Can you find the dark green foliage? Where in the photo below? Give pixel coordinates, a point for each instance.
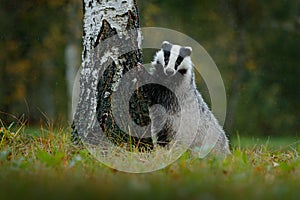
(33, 36)
(267, 93)
(32, 59)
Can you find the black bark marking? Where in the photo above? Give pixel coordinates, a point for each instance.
(123, 15)
(106, 31)
(83, 9)
(133, 19)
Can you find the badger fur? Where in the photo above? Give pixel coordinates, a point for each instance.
(177, 106)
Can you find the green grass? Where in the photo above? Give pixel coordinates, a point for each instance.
(42, 163)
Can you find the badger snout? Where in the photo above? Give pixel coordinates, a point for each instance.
(169, 71)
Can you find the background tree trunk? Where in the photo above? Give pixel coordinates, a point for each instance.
(48, 105)
(107, 20)
(238, 8)
(72, 51)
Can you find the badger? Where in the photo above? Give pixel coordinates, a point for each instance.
(178, 111)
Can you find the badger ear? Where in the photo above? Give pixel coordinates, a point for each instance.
(186, 51)
(166, 46)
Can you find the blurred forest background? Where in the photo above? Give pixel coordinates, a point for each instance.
(255, 44)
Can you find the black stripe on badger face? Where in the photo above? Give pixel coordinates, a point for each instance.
(178, 61)
(167, 52)
(183, 52)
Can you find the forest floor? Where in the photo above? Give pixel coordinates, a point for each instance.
(43, 164)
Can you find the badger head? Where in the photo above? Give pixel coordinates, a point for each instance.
(173, 60)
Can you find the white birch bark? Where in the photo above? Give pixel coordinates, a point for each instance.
(109, 49)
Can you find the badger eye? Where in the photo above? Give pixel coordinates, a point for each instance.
(182, 71)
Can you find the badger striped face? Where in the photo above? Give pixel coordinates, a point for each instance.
(174, 59)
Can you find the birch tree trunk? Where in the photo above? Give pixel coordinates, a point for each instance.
(111, 48)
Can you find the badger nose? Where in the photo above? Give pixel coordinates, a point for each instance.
(169, 71)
